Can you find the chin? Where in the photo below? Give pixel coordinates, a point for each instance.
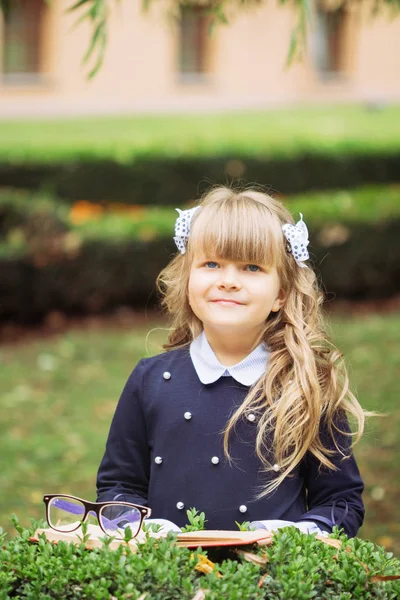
(231, 323)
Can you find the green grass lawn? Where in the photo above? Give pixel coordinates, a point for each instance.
(58, 395)
(275, 132)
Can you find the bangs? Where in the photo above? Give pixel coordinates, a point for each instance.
(239, 229)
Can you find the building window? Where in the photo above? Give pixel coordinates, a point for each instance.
(329, 39)
(193, 40)
(22, 38)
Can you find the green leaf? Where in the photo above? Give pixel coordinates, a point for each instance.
(245, 526)
(86, 15)
(151, 527)
(196, 520)
(95, 38)
(305, 19)
(78, 4)
(99, 7)
(128, 535)
(292, 48)
(100, 58)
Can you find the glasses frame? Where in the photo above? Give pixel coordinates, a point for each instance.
(95, 507)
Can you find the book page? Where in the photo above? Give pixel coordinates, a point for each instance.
(221, 534)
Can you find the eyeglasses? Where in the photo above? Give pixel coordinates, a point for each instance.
(67, 513)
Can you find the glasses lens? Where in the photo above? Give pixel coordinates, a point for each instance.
(115, 518)
(65, 514)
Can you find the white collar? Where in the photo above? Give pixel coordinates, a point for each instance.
(209, 369)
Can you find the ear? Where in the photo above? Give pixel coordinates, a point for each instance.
(279, 301)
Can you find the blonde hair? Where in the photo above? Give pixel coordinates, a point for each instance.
(305, 385)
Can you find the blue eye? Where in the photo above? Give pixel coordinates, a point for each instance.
(211, 264)
(253, 268)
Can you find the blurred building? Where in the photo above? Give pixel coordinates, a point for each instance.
(157, 63)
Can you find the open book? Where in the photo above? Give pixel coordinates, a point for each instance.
(191, 539)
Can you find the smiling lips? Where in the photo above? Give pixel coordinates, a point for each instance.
(226, 301)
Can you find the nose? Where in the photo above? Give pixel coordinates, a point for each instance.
(229, 278)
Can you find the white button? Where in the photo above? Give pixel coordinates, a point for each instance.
(180, 505)
(243, 508)
(276, 467)
(251, 417)
(158, 460)
(215, 460)
(167, 375)
(188, 416)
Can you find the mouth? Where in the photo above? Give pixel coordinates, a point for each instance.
(226, 302)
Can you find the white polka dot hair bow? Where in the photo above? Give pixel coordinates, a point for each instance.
(182, 227)
(297, 237)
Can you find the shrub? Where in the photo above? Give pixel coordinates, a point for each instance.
(170, 181)
(94, 258)
(295, 567)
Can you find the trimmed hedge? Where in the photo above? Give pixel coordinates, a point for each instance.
(295, 567)
(100, 275)
(167, 181)
(47, 263)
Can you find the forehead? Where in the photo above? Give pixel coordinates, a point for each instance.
(250, 235)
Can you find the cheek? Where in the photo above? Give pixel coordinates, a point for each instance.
(193, 290)
(196, 282)
(264, 294)
(197, 292)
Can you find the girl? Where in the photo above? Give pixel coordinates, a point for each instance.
(245, 416)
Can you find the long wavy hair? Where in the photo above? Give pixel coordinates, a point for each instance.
(305, 384)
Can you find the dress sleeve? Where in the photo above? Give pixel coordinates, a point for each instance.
(334, 497)
(123, 474)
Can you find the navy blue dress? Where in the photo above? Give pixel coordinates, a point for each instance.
(164, 450)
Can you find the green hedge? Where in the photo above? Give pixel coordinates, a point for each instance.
(47, 263)
(165, 181)
(168, 159)
(295, 567)
(367, 204)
